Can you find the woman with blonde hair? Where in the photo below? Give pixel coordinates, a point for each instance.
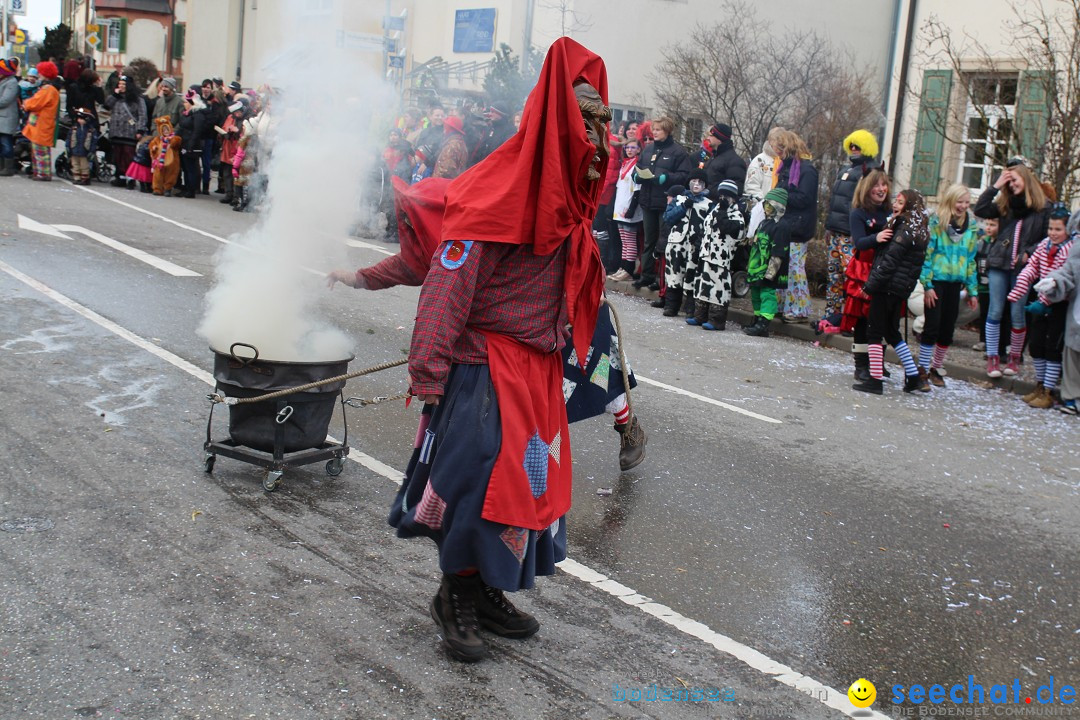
(1017, 201)
(797, 175)
(949, 267)
(760, 174)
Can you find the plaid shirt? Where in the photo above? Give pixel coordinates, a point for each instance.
(499, 288)
(389, 273)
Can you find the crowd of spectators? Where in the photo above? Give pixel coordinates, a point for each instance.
(161, 139)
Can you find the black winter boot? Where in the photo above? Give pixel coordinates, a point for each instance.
(701, 313)
(871, 385)
(688, 304)
(916, 382)
(862, 366)
(144, 187)
(631, 444)
(498, 615)
(205, 188)
(760, 328)
(454, 610)
(672, 302)
(717, 317)
(7, 167)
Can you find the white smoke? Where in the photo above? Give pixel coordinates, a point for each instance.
(317, 154)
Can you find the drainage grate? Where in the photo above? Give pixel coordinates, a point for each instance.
(25, 525)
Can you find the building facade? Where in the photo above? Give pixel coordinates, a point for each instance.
(129, 29)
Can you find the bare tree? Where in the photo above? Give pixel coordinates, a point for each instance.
(1047, 35)
(570, 21)
(752, 78)
(745, 74)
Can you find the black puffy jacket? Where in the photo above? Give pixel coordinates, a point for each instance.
(725, 165)
(663, 157)
(837, 219)
(799, 223)
(192, 130)
(1032, 231)
(897, 264)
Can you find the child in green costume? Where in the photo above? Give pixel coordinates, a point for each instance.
(767, 267)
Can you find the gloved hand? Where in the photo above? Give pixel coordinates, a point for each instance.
(1038, 308)
(662, 178)
(1045, 285)
(687, 202)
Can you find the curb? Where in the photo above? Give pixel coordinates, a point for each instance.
(838, 342)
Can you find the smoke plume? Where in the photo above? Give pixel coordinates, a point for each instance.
(316, 149)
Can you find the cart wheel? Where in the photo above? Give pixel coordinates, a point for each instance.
(740, 283)
(208, 463)
(272, 480)
(333, 467)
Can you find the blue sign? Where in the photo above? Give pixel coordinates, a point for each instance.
(474, 31)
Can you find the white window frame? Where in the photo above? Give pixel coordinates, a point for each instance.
(994, 114)
(112, 35)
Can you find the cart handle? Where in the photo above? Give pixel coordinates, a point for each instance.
(244, 361)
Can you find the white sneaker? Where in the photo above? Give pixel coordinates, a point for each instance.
(979, 346)
(620, 275)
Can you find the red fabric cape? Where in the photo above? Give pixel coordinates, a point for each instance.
(531, 191)
(419, 210)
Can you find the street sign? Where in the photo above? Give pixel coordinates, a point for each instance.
(92, 28)
(17, 7)
(93, 40)
(20, 36)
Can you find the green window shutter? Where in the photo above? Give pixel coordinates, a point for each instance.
(930, 131)
(123, 35)
(178, 40)
(1033, 114)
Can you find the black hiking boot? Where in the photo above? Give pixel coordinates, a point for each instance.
(454, 610)
(760, 328)
(872, 386)
(631, 444)
(498, 615)
(672, 302)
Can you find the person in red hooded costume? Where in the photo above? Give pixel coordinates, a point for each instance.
(517, 262)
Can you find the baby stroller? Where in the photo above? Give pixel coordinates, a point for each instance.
(101, 169)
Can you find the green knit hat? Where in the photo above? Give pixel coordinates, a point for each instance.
(777, 195)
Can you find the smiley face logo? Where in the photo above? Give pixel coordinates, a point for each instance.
(862, 693)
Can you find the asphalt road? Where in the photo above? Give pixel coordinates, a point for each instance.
(784, 537)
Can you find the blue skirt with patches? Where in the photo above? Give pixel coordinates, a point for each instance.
(588, 392)
(445, 484)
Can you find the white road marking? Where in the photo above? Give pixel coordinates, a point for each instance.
(758, 661)
(184, 226)
(368, 246)
(709, 400)
(161, 264)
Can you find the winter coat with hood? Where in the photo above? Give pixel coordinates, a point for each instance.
(898, 264)
(128, 117)
(43, 108)
(799, 223)
(1032, 229)
(1067, 287)
(662, 157)
(837, 219)
(726, 164)
(9, 105)
(192, 127)
(759, 174)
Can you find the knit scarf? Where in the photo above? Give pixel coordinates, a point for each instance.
(627, 166)
(159, 161)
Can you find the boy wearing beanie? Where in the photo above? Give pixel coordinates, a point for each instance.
(712, 290)
(686, 216)
(766, 269)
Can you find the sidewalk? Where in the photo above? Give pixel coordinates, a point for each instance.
(963, 363)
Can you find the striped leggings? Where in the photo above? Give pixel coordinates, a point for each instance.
(630, 235)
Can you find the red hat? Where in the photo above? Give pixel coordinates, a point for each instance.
(453, 124)
(47, 70)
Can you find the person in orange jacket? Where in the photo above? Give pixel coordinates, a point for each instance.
(40, 129)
